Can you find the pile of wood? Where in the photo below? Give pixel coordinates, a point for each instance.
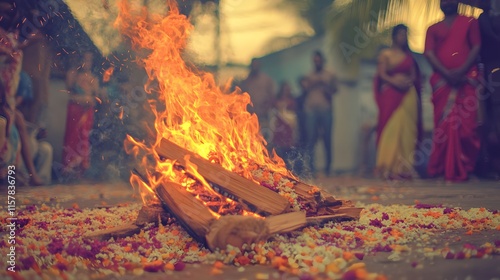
(267, 212)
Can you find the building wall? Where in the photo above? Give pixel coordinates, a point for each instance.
(58, 100)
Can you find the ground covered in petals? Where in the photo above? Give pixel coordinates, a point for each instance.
(49, 243)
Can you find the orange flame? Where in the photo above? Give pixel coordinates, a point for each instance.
(199, 116)
(106, 76)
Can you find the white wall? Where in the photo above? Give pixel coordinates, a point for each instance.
(58, 100)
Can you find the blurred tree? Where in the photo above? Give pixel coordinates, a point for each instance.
(358, 28)
(314, 11)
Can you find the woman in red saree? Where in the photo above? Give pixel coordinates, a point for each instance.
(452, 47)
(397, 94)
(83, 87)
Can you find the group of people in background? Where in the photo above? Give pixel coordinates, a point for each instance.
(23, 107)
(21, 140)
(465, 97)
(293, 125)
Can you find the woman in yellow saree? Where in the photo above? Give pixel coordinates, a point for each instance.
(397, 94)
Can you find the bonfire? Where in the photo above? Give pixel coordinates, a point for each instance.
(208, 171)
(208, 166)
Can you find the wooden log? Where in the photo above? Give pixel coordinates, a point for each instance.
(190, 212)
(153, 213)
(349, 212)
(240, 230)
(326, 218)
(286, 222)
(262, 200)
(326, 203)
(226, 230)
(305, 191)
(310, 193)
(116, 232)
(148, 214)
(236, 231)
(313, 196)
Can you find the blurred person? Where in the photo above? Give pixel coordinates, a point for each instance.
(284, 124)
(83, 87)
(489, 25)
(260, 87)
(14, 144)
(9, 137)
(37, 61)
(452, 47)
(28, 155)
(16, 141)
(397, 94)
(41, 151)
(11, 54)
(10, 57)
(318, 110)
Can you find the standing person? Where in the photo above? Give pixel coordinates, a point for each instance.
(489, 25)
(452, 47)
(321, 86)
(397, 94)
(37, 60)
(260, 87)
(284, 124)
(15, 146)
(83, 87)
(11, 54)
(41, 151)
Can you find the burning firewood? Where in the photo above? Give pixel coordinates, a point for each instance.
(213, 230)
(240, 230)
(317, 201)
(216, 232)
(153, 213)
(205, 221)
(259, 199)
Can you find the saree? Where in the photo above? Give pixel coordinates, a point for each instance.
(456, 142)
(76, 150)
(399, 124)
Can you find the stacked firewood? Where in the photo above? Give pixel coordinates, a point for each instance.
(235, 210)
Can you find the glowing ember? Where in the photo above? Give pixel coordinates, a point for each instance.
(107, 74)
(199, 116)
